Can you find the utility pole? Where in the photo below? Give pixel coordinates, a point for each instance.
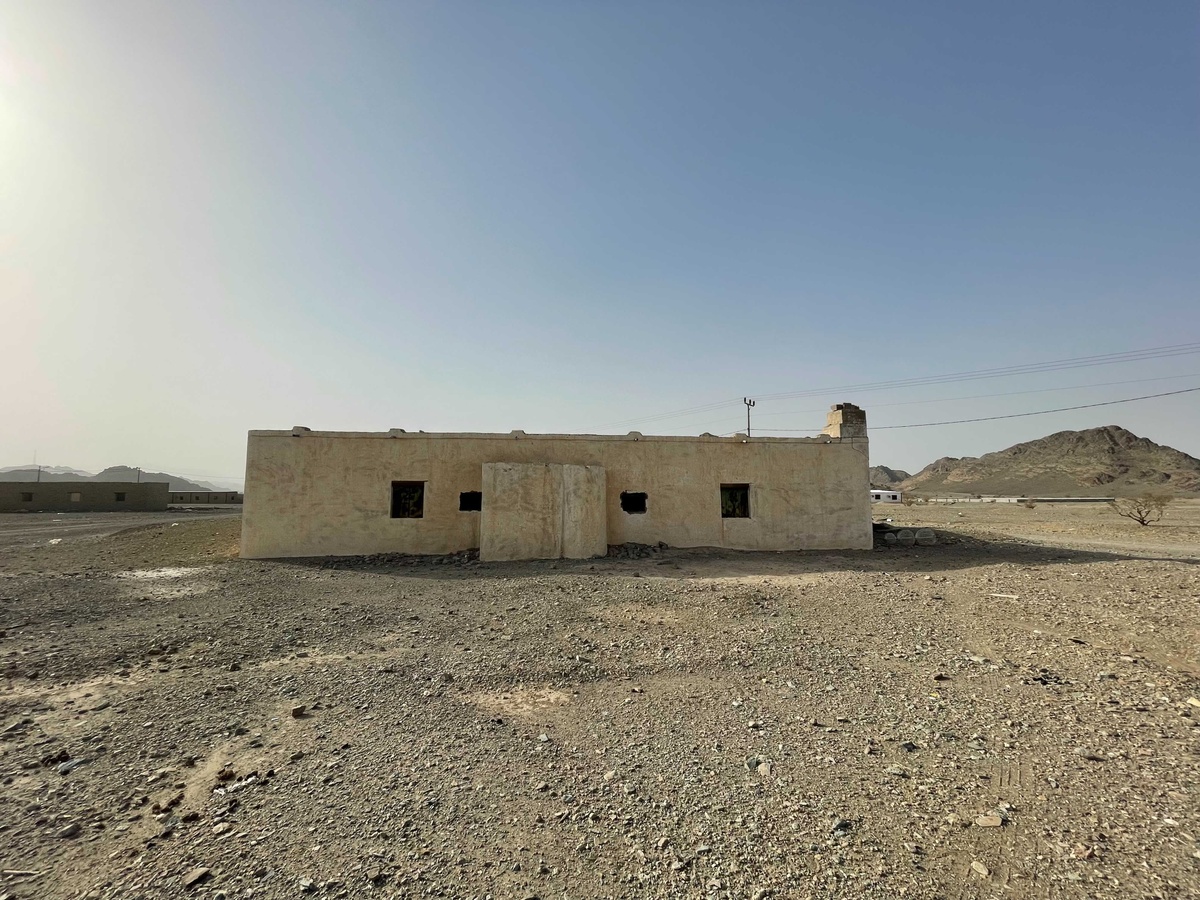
(749, 403)
(139, 471)
(39, 475)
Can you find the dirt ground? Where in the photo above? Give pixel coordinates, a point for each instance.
(1074, 524)
(1014, 712)
(83, 533)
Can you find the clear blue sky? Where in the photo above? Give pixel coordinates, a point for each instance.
(557, 216)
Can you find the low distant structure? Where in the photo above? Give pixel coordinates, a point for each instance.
(882, 496)
(984, 498)
(83, 496)
(523, 496)
(206, 498)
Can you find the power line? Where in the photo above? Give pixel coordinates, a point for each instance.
(1040, 412)
(1070, 387)
(1077, 362)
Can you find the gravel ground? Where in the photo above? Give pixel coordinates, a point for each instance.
(40, 531)
(987, 717)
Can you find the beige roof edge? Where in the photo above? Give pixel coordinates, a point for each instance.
(397, 433)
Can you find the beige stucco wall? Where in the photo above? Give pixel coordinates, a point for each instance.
(542, 511)
(584, 512)
(314, 493)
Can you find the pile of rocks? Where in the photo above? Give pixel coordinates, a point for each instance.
(632, 550)
(392, 560)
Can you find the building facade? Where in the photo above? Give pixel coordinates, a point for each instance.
(183, 498)
(522, 496)
(83, 496)
(885, 496)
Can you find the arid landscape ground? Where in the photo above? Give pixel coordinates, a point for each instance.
(1014, 712)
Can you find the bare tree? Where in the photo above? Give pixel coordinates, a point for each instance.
(1144, 509)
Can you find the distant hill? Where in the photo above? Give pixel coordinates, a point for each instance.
(883, 477)
(57, 470)
(1107, 461)
(112, 473)
(126, 473)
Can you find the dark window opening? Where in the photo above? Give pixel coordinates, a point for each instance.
(633, 502)
(735, 501)
(470, 501)
(26, 497)
(120, 496)
(408, 499)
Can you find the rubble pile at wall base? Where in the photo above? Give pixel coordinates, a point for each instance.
(385, 560)
(632, 550)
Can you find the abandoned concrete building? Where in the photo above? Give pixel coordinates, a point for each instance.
(205, 498)
(83, 496)
(525, 496)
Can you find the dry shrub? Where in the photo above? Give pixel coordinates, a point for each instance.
(1143, 509)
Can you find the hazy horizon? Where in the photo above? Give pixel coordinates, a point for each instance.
(220, 216)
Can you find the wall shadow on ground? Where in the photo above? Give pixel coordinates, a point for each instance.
(953, 551)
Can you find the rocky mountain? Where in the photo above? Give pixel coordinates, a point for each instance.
(126, 473)
(112, 473)
(883, 477)
(1107, 461)
(56, 470)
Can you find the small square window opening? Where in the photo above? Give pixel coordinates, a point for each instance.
(408, 499)
(76, 497)
(120, 496)
(633, 502)
(735, 501)
(26, 497)
(470, 501)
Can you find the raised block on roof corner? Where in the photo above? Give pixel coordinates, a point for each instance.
(845, 420)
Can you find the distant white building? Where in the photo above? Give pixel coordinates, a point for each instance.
(886, 496)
